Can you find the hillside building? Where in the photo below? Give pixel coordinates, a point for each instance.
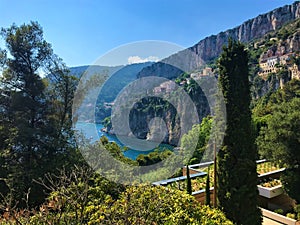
(271, 64)
(205, 72)
(165, 87)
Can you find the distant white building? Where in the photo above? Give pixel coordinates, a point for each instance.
(272, 61)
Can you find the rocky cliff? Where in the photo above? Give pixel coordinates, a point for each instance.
(195, 57)
(209, 48)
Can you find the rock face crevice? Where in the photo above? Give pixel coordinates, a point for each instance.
(209, 48)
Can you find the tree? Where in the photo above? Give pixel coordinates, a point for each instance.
(279, 141)
(153, 157)
(266, 106)
(35, 112)
(25, 105)
(201, 133)
(236, 175)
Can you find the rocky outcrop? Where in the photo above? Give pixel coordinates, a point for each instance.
(195, 57)
(293, 43)
(209, 48)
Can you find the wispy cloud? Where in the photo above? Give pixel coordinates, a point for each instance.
(137, 59)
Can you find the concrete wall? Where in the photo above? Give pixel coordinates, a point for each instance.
(278, 218)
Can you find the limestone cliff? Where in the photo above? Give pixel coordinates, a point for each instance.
(209, 48)
(197, 56)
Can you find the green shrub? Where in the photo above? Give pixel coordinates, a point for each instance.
(279, 211)
(157, 205)
(297, 211)
(291, 215)
(297, 208)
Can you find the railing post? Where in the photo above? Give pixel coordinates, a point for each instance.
(215, 176)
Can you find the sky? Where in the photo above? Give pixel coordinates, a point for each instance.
(81, 31)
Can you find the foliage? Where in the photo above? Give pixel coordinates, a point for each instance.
(90, 199)
(200, 132)
(279, 141)
(157, 205)
(266, 167)
(35, 128)
(297, 211)
(291, 215)
(107, 123)
(270, 183)
(75, 196)
(279, 211)
(279, 131)
(114, 149)
(236, 175)
(153, 157)
(266, 105)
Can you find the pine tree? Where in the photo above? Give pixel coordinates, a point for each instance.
(236, 175)
(34, 120)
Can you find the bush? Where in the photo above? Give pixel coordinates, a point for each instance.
(279, 211)
(157, 205)
(297, 211)
(291, 215)
(92, 200)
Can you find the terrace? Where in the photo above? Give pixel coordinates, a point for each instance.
(271, 194)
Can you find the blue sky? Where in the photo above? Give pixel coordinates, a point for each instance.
(81, 31)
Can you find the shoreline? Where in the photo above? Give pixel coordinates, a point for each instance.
(91, 129)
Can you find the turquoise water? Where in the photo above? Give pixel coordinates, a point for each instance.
(93, 132)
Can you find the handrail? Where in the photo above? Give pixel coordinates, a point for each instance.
(205, 164)
(171, 180)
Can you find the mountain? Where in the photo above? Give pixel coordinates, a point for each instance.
(273, 34)
(209, 49)
(117, 77)
(280, 47)
(78, 71)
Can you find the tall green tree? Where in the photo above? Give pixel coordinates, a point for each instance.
(60, 89)
(23, 105)
(280, 141)
(236, 175)
(34, 130)
(268, 104)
